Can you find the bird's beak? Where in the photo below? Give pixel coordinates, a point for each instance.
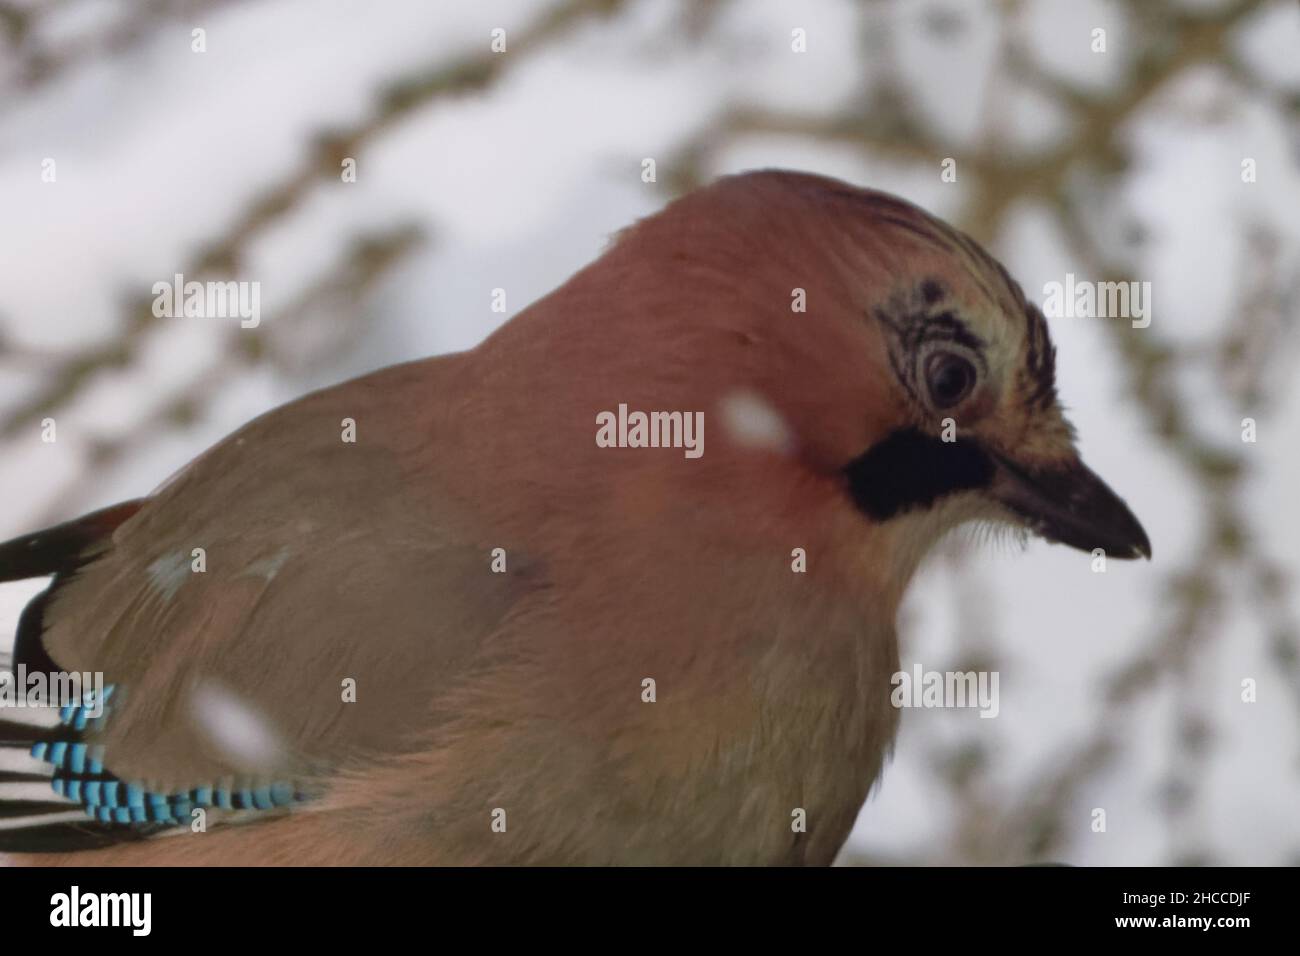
(1069, 504)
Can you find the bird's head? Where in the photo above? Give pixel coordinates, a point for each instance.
(976, 428)
(913, 384)
(913, 368)
(976, 417)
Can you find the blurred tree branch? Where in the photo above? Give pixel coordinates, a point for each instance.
(37, 61)
(224, 254)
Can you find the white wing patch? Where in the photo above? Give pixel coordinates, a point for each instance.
(168, 573)
(235, 728)
(268, 568)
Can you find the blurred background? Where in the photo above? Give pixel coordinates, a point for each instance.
(479, 170)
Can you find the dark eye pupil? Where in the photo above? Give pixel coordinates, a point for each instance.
(950, 378)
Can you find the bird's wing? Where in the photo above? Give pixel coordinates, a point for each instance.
(289, 603)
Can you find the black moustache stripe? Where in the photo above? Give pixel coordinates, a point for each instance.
(910, 469)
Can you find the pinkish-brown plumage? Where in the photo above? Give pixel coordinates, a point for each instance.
(522, 691)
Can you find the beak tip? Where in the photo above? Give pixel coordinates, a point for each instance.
(1144, 548)
(1139, 544)
(1074, 507)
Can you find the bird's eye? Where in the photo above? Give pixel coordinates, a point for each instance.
(949, 378)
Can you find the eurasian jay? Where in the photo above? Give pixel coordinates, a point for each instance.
(472, 609)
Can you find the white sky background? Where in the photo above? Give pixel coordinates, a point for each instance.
(519, 186)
